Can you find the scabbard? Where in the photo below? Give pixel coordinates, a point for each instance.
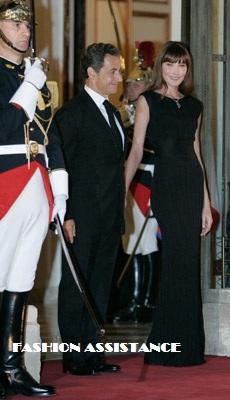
(80, 280)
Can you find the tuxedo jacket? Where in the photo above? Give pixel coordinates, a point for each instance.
(95, 163)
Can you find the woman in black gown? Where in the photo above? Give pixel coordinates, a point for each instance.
(170, 117)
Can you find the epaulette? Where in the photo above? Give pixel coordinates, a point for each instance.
(10, 65)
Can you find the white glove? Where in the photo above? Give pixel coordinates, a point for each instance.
(59, 182)
(27, 94)
(59, 207)
(34, 73)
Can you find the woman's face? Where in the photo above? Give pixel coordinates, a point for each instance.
(174, 73)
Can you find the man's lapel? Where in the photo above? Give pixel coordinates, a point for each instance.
(101, 121)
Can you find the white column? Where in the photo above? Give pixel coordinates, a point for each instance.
(175, 33)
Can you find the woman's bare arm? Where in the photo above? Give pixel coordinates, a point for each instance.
(206, 212)
(136, 152)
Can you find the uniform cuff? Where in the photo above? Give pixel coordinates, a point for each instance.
(59, 182)
(26, 97)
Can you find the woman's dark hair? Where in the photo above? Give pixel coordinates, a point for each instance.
(94, 56)
(174, 52)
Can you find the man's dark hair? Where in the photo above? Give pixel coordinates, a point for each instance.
(94, 56)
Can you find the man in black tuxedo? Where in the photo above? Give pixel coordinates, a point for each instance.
(94, 145)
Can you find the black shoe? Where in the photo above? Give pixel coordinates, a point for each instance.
(77, 369)
(107, 368)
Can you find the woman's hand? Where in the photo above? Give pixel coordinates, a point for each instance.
(206, 220)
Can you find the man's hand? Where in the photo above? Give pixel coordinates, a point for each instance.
(69, 230)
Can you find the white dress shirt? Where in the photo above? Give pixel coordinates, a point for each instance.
(99, 100)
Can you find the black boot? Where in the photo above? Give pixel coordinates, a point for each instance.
(147, 288)
(140, 308)
(14, 378)
(131, 312)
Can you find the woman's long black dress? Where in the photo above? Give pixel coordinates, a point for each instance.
(176, 200)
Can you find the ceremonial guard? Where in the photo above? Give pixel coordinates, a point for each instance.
(139, 243)
(27, 203)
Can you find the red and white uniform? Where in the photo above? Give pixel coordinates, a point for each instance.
(26, 201)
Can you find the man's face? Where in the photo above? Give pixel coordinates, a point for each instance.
(106, 80)
(18, 33)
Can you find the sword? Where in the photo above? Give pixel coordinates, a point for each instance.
(80, 279)
(33, 30)
(123, 272)
(45, 63)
